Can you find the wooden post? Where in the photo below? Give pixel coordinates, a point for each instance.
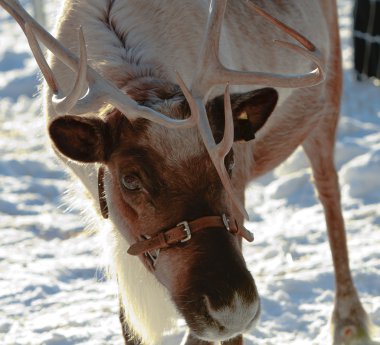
(367, 38)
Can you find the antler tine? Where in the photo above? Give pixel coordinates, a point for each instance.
(32, 30)
(228, 137)
(220, 151)
(40, 59)
(64, 105)
(291, 32)
(208, 60)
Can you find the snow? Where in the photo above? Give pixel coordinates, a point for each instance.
(52, 289)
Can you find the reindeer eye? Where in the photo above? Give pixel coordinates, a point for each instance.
(131, 182)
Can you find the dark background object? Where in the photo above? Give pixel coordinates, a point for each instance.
(367, 38)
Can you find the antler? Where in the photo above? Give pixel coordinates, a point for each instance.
(99, 92)
(217, 152)
(209, 72)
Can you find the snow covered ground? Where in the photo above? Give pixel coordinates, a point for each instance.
(52, 290)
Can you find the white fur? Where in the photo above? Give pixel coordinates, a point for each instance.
(147, 304)
(148, 307)
(238, 313)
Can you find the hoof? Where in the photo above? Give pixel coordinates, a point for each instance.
(353, 335)
(352, 330)
(350, 324)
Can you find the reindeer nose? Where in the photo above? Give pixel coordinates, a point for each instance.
(236, 317)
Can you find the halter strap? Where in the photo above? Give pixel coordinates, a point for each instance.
(183, 232)
(101, 193)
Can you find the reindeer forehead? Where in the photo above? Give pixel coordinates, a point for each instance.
(174, 145)
(174, 150)
(177, 146)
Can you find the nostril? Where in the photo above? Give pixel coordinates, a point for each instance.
(210, 310)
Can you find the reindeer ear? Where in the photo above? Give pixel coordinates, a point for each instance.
(251, 110)
(80, 138)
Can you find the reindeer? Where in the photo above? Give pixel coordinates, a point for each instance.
(142, 120)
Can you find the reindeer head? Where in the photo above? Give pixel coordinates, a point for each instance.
(157, 178)
(168, 156)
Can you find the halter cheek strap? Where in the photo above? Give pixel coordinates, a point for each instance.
(101, 193)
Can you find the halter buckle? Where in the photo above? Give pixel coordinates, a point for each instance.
(226, 222)
(187, 231)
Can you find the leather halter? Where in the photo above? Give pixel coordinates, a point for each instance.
(181, 233)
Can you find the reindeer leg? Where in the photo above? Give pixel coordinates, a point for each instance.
(350, 321)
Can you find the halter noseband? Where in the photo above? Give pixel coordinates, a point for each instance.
(183, 232)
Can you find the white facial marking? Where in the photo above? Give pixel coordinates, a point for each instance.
(235, 319)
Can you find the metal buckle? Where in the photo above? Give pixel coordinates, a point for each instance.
(186, 229)
(226, 222)
(153, 257)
